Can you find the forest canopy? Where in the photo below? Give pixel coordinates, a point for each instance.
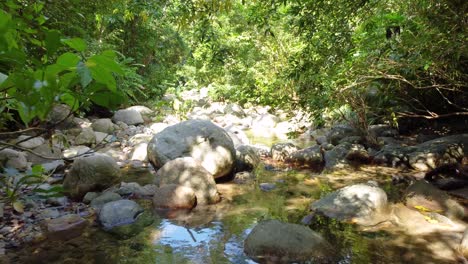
(370, 60)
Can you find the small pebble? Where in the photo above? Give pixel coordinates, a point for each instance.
(266, 186)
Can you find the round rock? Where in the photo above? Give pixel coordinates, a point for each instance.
(273, 241)
(202, 140)
(173, 196)
(91, 173)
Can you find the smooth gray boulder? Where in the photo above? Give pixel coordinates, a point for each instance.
(30, 143)
(91, 173)
(10, 158)
(128, 116)
(354, 202)
(86, 137)
(272, 241)
(188, 172)
(124, 218)
(103, 125)
(44, 150)
(105, 197)
(202, 140)
(141, 109)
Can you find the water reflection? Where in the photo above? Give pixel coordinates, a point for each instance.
(206, 244)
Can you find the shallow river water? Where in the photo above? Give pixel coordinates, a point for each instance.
(215, 234)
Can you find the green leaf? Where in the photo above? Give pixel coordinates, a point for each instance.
(77, 44)
(84, 73)
(68, 60)
(106, 62)
(70, 100)
(37, 169)
(103, 76)
(18, 206)
(52, 41)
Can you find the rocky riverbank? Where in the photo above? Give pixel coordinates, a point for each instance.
(185, 152)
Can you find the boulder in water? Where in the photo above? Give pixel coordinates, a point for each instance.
(273, 241)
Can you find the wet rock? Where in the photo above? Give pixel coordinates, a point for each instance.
(124, 218)
(339, 132)
(273, 241)
(102, 199)
(66, 227)
(281, 151)
(205, 142)
(424, 195)
(129, 117)
(310, 156)
(86, 137)
(75, 151)
(172, 196)
(356, 202)
(246, 158)
(31, 143)
(244, 177)
(188, 172)
(267, 186)
(10, 158)
(91, 173)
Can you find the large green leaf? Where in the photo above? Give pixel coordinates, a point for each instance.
(68, 60)
(84, 73)
(52, 41)
(77, 44)
(103, 76)
(106, 62)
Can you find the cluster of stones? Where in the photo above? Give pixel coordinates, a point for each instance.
(190, 156)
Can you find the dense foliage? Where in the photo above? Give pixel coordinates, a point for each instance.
(368, 60)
